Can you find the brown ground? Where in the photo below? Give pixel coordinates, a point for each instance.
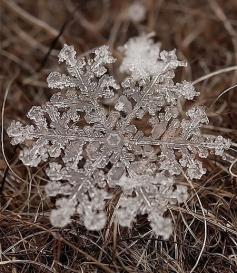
(205, 34)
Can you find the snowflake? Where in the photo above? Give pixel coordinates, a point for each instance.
(91, 134)
(142, 58)
(136, 12)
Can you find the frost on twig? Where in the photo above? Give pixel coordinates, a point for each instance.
(94, 147)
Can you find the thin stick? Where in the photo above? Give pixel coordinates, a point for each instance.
(28, 17)
(231, 166)
(223, 93)
(224, 70)
(2, 125)
(205, 223)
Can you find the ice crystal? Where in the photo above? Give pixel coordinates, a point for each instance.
(143, 58)
(136, 12)
(94, 141)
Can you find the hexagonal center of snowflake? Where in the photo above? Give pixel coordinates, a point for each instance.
(114, 139)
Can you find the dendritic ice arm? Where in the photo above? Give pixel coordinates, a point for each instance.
(50, 134)
(85, 73)
(40, 135)
(149, 194)
(88, 77)
(81, 193)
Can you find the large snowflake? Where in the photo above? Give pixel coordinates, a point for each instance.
(98, 136)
